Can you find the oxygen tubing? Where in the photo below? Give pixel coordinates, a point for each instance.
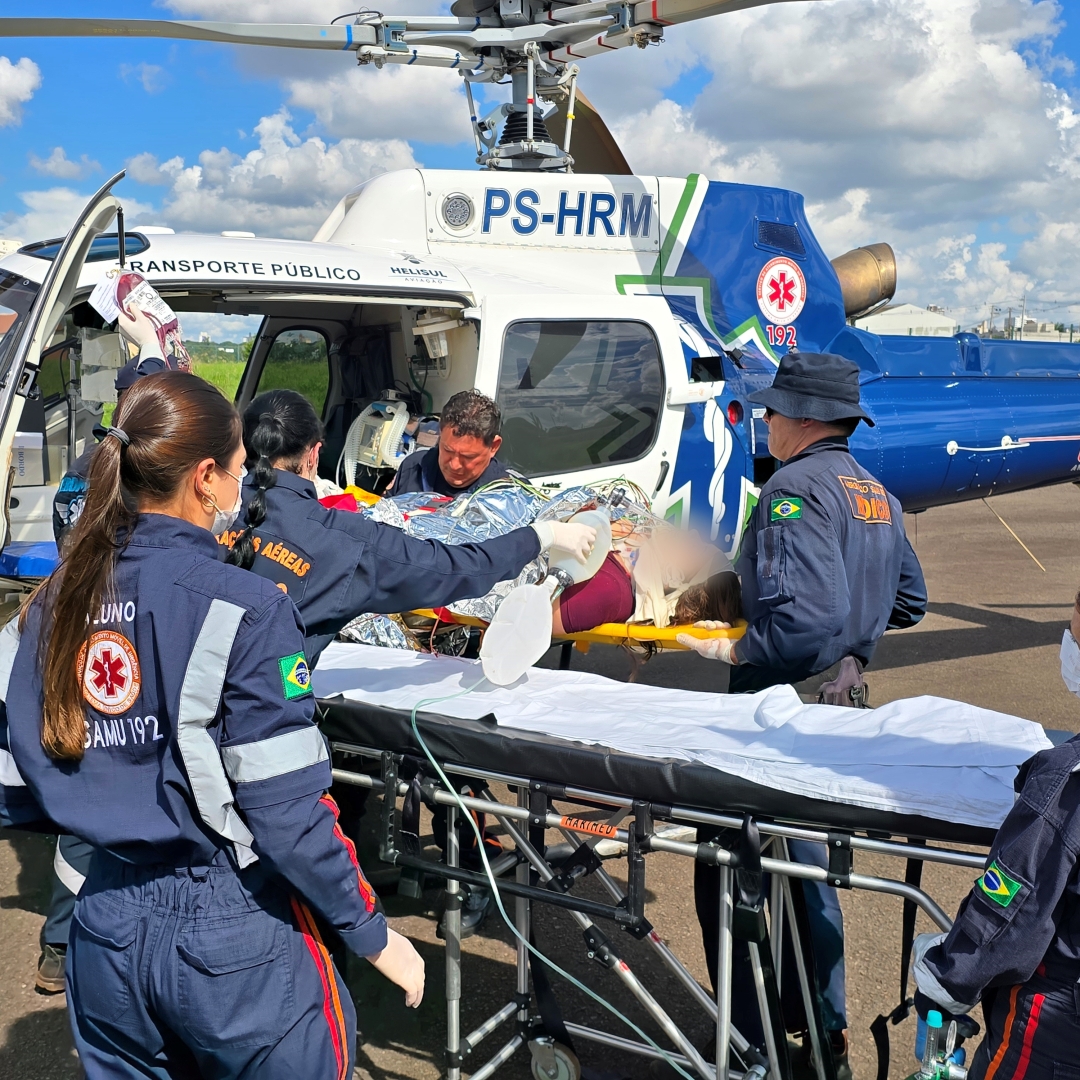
(498, 896)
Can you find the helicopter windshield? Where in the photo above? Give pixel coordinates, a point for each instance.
(17, 296)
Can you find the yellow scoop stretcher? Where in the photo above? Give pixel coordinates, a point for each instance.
(610, 633)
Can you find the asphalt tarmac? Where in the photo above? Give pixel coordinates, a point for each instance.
(991, 638)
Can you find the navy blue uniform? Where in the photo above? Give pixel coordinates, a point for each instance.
(194, 948)
(1015, 944)
(72, 857)
(336, 565)
(420, 472)
(826, 569)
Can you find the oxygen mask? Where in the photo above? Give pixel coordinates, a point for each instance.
(520, 633)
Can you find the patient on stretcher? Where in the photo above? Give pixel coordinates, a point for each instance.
(664, 576)
(656, 574)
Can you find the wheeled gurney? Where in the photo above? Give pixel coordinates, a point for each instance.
(623, 770)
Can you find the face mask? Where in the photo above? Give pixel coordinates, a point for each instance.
(1070, 663)
(224, 519)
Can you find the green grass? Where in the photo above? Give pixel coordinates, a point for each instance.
(225, 375)
(310, 379)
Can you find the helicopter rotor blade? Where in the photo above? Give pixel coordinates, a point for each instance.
(592, 145)
(338, 36)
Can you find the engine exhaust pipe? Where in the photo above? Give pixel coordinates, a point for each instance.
(867, 277)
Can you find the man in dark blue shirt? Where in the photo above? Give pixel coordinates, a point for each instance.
(464, 459)
(826, 569)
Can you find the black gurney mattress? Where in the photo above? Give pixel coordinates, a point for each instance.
(484, 744)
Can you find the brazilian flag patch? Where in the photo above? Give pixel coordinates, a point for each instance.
(785, 509)
(997, 885)
(295, 676)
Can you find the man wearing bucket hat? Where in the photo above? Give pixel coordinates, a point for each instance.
(825, 564)
(826, 569)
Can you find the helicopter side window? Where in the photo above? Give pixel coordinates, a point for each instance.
(298, 360)
(576, 394)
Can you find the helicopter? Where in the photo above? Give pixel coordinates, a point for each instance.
(620, 321)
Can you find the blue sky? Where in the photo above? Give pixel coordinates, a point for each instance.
(946, 129)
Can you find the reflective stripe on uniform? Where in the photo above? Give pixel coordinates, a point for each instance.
(9, 647)
(268, 758)
(199, 701)
(9, 771)
(69, 877)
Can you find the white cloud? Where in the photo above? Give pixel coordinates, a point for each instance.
(665, 141)
(219, 327)
(17, 85)
(151, 77)
(58, 164)
(52, 212)
(284, 188)
(918, 123)
(427, 104)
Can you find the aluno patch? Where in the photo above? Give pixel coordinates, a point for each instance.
(998, 886)
(295, 676)
(785, 509)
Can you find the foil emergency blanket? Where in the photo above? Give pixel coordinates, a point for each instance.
(929, 756)
(493, 511)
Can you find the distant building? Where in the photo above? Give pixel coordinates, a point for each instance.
(910, 321)
(204, 336)
(8, 246)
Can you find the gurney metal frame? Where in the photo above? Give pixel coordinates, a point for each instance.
(536, 879)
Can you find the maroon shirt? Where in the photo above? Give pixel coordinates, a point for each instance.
(607, 597)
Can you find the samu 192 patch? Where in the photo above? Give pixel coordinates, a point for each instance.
(998, 886)
(785, 509)
(295, 676)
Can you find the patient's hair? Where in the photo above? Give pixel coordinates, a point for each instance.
(718, 599)
(472, 413)
(280, 426)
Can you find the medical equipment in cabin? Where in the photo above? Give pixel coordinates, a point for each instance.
(375, 437)
(520, 632)
(432, 327)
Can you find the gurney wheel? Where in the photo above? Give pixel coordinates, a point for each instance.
(567, 1066)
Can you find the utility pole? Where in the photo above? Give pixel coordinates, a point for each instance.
(1023, 312)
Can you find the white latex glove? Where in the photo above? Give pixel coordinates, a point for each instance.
(721, 649)
(567, 536)
(403, 965)
(135, 325)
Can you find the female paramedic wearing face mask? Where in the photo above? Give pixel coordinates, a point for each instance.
(336, 564)
(158, 706)
(1015, 945)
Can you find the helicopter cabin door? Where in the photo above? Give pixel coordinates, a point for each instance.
(21, 347)
(583, 385)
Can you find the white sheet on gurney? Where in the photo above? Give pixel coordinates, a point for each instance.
(929, 756)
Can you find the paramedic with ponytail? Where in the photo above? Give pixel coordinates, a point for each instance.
(157, 704)
(335, 564)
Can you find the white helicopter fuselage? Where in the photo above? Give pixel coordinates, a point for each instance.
(511, 264)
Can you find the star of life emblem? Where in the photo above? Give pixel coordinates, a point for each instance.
(781, 291)
(108, 670)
